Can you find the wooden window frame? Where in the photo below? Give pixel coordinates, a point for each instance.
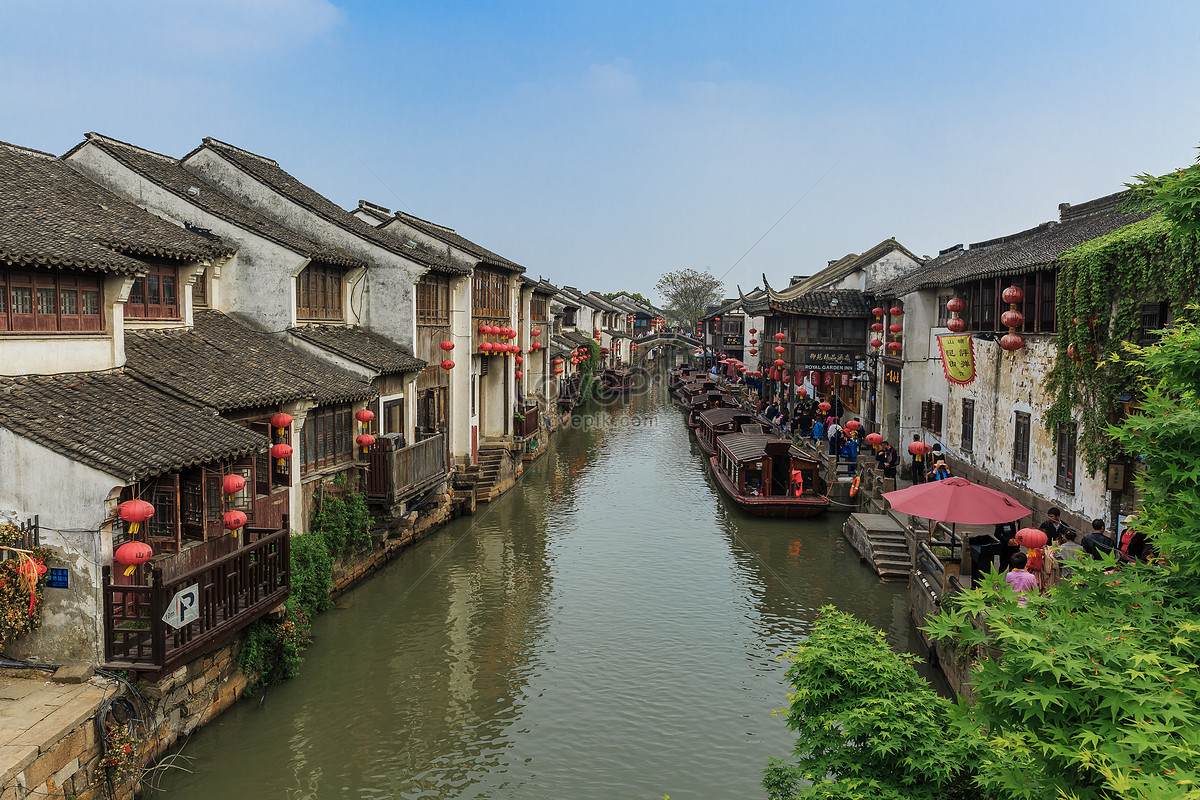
(53, 302)
(931, 417)
(1065, 458)
(320, 293)
(200, 290)
(539, 308)
(490, 293)
(433, 300)
(327, 438)
(1021, 429)
(968, 425)
(393, 408)
(148, 298)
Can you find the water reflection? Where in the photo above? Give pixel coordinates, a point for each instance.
(609, 629)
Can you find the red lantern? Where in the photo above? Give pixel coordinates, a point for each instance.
(535, 333)
(956, 324)
(364, 415)
(1013, 295)
(779, 362)
(233, 483)
(852, 425)
(896, 311)
(281, 422)
(877, 311)
(877, 343)
(895, 347)
(754, 341)
(1012, 319)
(800, 390)
(779, 337)
(518, 374)
(519, 360)
(919, 448)
(877, 327)
(233, 520)
(753, 352)
(485, 347)
(753, 330)
(1072, 352)
(447, 365)
(896, 328)
(447, 345)
(956, 305)
(825, 406)
(557, 370)
(874, 439)
(364, 440)
(1032, 538)
(131, 554)
(135, 512)
(483, 330)
(281, 453)
(1012, 342)
(779, 349)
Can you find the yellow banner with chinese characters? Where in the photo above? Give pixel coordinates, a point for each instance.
(958, 357)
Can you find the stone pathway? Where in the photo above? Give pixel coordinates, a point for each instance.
(38, 716)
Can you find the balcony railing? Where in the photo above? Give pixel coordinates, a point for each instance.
(230, 592)
(525, 428)
(397, 473)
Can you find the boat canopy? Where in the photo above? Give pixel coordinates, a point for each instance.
(743, 447)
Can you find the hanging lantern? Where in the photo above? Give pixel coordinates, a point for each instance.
(558, 371)
(364, 415)
(956, 324)
(234, 520)
(364, 440)
(877, 311)
(518, 374)
(852, 425)
(135, 512)
(753, 330)
(956, 305)
(483, 329)
(825, 406)
(558, 361)
(281, 422)
(131, 554)
(896, 328)
(753, 352)
(1012, 342)
(779, 349)
(1012, 320)
(896, 311)
(894, 347)
(1071, 351)
(877, 343)
(485, 347)
(1013, 295)
(779, 337)
(874, 439)
(447, 365)
(282, 452)
(877, 327)
(754, 341)
(233, 483)
(800, 390)
(779, 362)
(447, 345)
(716, 319)
(519, 360)
(1032, 538)
(535, 333)
(919, 448)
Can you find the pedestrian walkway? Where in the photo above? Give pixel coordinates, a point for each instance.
(48, 743)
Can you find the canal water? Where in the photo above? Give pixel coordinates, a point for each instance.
(611, 629)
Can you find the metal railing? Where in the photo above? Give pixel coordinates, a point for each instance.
(399, 472)
(224, 596)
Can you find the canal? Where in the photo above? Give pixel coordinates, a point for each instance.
(610, 628)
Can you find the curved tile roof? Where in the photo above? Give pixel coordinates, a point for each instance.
(362, 347)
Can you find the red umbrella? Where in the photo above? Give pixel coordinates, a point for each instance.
(957, 500)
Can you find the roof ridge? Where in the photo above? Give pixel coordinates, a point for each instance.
(32, 151)
(1012, 237)
(1109, 202)
(374, 206)
(92, 136)
(403, 215)
(209, 140)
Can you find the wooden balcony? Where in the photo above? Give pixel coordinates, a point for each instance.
(528, 427)
(234, 590)
(398, 473)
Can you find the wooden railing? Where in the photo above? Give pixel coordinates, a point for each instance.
(527, 427)
(231, 592)
(397, 473)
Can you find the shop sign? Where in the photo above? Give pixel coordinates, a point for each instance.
(891, 375)
(958, 357)
(732, 341)
(837, 360)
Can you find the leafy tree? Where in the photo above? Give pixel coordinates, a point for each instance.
(635, 295)
(868, 726)
(1176, 193)
(687, 292)
(1093, 690)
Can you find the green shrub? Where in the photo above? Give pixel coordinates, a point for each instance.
(312, 573)
(275, 650)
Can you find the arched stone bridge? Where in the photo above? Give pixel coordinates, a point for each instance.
(657, 340)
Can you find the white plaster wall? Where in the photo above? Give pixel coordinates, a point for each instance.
(890, 266)
(70, 502)
(465, 364)
(388, 298)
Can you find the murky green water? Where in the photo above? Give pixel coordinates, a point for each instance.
(608, 629)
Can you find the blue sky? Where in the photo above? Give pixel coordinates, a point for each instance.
(601, 144)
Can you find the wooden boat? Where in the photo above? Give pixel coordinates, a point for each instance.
(759, 473)
(717, 422)
(620, 380)
(703, 402)
(690, 390)
(679, 376)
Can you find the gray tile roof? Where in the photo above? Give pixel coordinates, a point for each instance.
(846, 266)
(756, 303)
(270, 174)
(362, 347)
(835, 303)
(169, 174)
(224, 364)
(118, 425)
(52, 216)
(1017, 253)
(454, 239)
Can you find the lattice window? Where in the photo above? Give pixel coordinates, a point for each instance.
(1021, 445)
(433, 300)
(319, 292)
(50, 301)
(155, 295)
(489, 293)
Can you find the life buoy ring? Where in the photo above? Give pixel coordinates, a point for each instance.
(854, 486)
